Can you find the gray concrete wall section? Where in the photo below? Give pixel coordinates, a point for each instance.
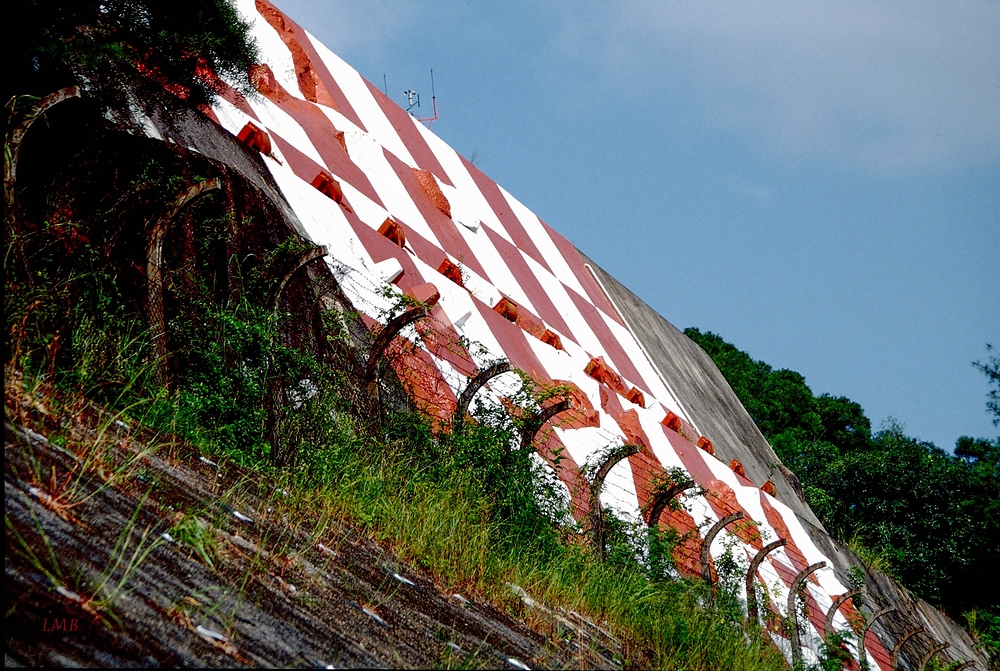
(188, 129)
(719, 415)
(711, 402)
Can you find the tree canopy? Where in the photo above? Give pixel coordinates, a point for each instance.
(109, 46)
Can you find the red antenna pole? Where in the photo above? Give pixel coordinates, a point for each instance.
(432, 119)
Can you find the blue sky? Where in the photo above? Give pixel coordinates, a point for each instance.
(817, 182)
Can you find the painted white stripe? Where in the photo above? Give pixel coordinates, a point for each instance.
(363, 102)
(494, 265)
(323, 220)
(367, 155)
(325, 223)
(544, 243)
(272, 49)
(468, 204)
(644, 364)
(275, 119)
(232, 118)
(556, 293)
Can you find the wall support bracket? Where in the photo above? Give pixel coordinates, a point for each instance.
(154, 273)
(391, 330)
(13, 143)
(596, 485)
(862, 655)
(301, 261)
(930, 653)
(837, 603)
(894, 659)
(536, 421)
(662, 499)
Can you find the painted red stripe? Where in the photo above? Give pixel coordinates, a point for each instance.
(816, 614)
(621, 361)
(513, 341)
(687, 551)
(723, 500)
(423, 381)
(381, 248)
(320, 131)
(724, 497)
(627, 421)
(522, 272)
(722, 503)
(412, 140)
(443, 228)
(439, 335)
(777, 523)
(301, 165)
(501, 208)
(237, 99)
(315, 81)
(547, 443)
(210, 113)
(594, 291)
(645, 466)
(877, 650)
(785, 572)
(225, 91)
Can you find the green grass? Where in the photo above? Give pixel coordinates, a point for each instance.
(471, 509)
(442, 519)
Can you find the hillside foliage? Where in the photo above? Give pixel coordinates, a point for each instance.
(114, 48)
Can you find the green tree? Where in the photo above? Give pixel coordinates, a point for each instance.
(992, 371)
(113, 48)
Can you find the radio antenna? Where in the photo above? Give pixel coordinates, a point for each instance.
(431, 119)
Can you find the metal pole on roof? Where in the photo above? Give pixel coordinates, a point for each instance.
(432, 119)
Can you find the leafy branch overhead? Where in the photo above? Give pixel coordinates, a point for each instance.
(992, 371)
(111, 46)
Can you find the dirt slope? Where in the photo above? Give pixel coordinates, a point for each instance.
(87, 500)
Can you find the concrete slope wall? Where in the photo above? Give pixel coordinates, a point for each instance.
(403, 217)
(708, 398)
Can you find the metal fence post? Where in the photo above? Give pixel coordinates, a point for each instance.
(793, 615)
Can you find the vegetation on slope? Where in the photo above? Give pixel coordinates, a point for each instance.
(114, 48)
(928, 517)
(472, 508)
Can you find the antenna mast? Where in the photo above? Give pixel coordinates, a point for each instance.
(431, 119)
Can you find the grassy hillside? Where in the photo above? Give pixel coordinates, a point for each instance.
(243, 362)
